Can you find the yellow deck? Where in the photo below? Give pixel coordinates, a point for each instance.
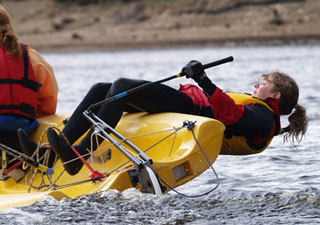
(177, 160)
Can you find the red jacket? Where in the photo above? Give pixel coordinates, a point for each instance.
(19, 87)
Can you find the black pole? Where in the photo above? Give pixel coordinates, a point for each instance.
(132, 90)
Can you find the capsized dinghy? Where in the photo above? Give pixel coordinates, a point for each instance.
(166, 138)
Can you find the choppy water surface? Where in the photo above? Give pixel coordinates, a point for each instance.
(278, 186)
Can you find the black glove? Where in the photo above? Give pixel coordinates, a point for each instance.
(194, 69)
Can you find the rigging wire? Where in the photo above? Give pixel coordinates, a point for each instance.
(190, 126)
(105, 174)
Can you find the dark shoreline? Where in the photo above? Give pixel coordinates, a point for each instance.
(52, 27)
(217, 42)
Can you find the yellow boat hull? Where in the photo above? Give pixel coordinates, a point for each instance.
(177, 159)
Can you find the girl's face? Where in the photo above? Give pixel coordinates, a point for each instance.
(263, 89)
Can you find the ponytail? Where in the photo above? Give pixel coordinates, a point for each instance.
(8, 39)
(288, 105)
(298, 123)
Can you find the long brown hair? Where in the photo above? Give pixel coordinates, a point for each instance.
(288, 105)
(8, 39)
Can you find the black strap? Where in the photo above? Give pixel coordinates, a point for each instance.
(24, 107)
(26, 82)
(25, 61)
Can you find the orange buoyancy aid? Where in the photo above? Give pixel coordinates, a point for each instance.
(18, 85)
(237, 145)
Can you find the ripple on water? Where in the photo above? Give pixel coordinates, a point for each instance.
(133, 207)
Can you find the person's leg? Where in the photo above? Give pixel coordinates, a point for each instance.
(77, 125)
(154, 99)
(158, 98)
(111, 112)
(161, 98)
(28, 146)
(11, 140)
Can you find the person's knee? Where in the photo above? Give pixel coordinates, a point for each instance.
(99, 85)
(97, 91)
(124, 84)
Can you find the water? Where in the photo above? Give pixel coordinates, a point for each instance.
(278, 186)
